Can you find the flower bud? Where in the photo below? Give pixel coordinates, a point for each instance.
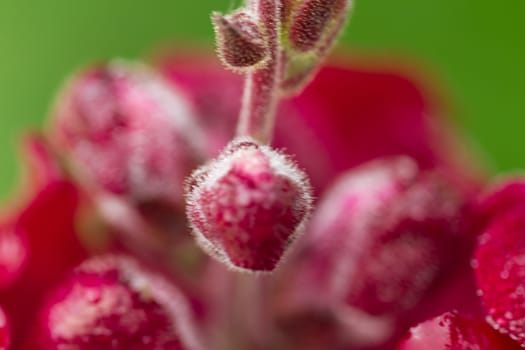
(248, 206)
(499, 265)
(313, 31)
(241, 43)
(130, 139)
(114, 302)
(382, 236)
(127, 132)
(311, 21)
(454, 331)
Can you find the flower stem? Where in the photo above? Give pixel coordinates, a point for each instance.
(261, 87)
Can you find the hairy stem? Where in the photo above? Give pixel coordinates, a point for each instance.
(261, 85)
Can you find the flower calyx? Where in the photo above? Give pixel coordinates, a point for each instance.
(241, 43)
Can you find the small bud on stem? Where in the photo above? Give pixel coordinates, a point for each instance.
(311, 22)
(240, 41)
(248, 206)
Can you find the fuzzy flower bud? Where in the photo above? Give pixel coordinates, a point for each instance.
(241, 43)
(248, 206)
(130, 139)
(382, 235)
(454, 331)
(128, 132)
(113, 302)
(312, 20)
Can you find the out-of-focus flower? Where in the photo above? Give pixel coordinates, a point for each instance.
(382, 238)
(113, 302)
(130, 139)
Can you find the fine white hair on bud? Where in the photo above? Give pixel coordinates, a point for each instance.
(241, 43)
(248, 206)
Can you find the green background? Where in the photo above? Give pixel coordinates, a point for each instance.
(475, 47)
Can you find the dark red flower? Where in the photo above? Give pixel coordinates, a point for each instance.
(130, 140)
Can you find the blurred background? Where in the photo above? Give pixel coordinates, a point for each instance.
(476, 48)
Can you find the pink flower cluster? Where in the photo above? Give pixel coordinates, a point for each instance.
(347, 217)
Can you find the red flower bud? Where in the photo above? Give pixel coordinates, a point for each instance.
(131, 140)
(128, 132)
(241, 43)
(113, 302)
(248, 206)
(311, 21)
(453, 331)
(382, 236)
